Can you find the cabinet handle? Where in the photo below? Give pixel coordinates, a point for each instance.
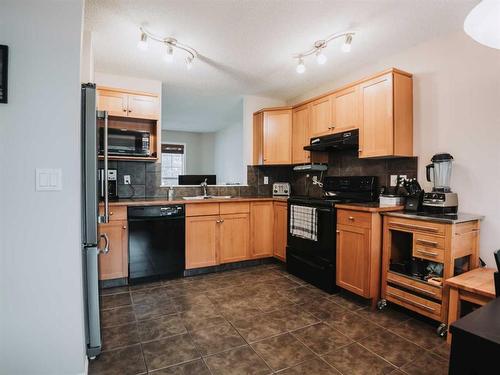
(351, 218)
(337, 231)
(412, 226)
(427, 243)
(124, 110)
(428, 253)
(111, 212)
(124, 227)
(129, 110)
(411, 302)
(360, 150)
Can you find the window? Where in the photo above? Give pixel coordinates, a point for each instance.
(173, 162)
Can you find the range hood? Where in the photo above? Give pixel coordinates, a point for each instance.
(339, 141)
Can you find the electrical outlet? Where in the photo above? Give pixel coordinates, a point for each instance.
(266, 180)
(126, 179)
(394, 179)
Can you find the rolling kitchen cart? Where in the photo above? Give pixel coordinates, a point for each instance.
(419, 252)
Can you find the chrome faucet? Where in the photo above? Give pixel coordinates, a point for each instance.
(204, 187)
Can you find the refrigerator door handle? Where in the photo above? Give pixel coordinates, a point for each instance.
(105, 249)
(105, 218)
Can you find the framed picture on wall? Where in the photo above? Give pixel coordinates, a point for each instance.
(4, 60)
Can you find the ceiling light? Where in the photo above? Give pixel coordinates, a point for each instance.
(189, 62)
(301, 68)
(346, 47)
(318, 49)
(483, 23)
(170, 44)
(143, 43)
(169, 56)
(320, 57)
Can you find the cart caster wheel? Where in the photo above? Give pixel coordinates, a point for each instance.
(381, 304)
(442, 330)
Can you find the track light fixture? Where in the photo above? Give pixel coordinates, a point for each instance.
(170, 44)
(319, 47)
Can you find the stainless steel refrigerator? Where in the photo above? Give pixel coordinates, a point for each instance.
(91, 238)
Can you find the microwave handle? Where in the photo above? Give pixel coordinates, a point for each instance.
(105, 218)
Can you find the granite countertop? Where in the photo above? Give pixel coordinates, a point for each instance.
(439, 218)
(162, 201)
(368, 207)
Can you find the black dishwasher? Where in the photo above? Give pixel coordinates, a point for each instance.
(156, 244)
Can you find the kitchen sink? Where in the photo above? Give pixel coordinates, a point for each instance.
(202, 197)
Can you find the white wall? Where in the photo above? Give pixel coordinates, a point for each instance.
(87, 72)
(228, 158)
(128, 83)
(199, 149)
(41, 298)
(456, 110)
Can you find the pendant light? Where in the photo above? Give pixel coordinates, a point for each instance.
(483, 23)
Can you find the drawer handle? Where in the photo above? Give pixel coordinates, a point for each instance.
(418, 227)
(411, 302)
(429, 253)
(111, 212)
(427, 243)
(413, 287)
(351, 218)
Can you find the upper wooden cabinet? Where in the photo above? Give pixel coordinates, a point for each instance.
(273, 137)
(128, 104)
(321, 117)
(300, 134)
(345, 114)
(386, 115)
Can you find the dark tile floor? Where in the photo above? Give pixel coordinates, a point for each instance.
(258, 320)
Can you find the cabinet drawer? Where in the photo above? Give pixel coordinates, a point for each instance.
(359, 219)
(427, 252)
(234, 208)
(416, 286)
(413, 302)
(115, 212)
(417, 226)
(202, 209)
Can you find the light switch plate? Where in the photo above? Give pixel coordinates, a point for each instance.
(48, 179)
(126, 179)
(266, 180)
(394, 179)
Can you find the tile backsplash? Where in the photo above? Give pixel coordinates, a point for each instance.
(146, 177)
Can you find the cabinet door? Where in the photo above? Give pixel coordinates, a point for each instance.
(353, 259)
(321, 117)
(114, 102)
(261, 229)
(258, 128)
(376, 116)
(278, 137)
(201, 241)
(345, 111)
(143, 106)
(300, 134)
(114, 264)
(234, 238)
(280, 230)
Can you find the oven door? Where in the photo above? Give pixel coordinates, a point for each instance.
(324, 248)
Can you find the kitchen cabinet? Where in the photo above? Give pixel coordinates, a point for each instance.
(273, 137)
(234, 238)
(344, 109)
(261, 229)
(128, 103)
(114, 264)
(321, 117)
(202, 241)
(386, 116)
(280, 230)
(300, 134)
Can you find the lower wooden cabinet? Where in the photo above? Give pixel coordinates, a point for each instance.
(114, 264)
(202, 240)
(280, 229)
(262, 229)
(234, 238)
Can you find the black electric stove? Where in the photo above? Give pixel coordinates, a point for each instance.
(314, 261)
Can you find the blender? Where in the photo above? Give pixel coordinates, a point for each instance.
(441, 200)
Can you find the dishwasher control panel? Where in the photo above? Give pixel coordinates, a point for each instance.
(171, 210)
(151, 212)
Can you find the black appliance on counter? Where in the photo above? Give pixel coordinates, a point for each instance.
(126, 142)
(315, 261)
(156, 242)
(112, 184)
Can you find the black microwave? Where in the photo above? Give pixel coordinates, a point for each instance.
(125, 142)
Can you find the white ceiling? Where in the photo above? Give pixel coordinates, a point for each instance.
(246, 45)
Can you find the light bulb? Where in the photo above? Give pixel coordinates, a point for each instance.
(301, 68)
(320, 57)
(346, 47)
(143, 43)
(169, 56)
(189, 62)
